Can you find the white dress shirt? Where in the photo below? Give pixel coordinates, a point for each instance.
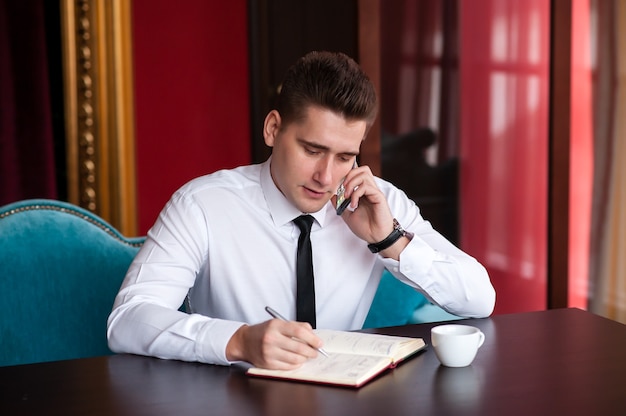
(228, 242)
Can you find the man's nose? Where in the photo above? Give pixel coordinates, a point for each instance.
(323, 171)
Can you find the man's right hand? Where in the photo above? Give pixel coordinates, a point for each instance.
(274, 344)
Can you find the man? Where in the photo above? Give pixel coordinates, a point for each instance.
(227, 241)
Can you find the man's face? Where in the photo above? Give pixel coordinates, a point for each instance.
(310, 157)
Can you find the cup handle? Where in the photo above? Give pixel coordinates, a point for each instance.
(481, 339)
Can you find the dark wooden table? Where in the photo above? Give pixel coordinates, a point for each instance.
(557, 362)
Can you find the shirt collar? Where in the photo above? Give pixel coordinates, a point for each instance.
(281, 210)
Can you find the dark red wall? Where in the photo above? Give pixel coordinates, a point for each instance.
(191, 95)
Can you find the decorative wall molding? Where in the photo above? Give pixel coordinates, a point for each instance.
(99, 109)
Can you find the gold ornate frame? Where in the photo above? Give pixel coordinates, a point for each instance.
(99, 109)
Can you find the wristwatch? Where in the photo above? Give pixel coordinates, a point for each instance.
(395, 235)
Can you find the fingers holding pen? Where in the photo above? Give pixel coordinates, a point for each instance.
(274, 344)
(288, 342)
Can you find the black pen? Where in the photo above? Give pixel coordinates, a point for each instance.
(279, 316)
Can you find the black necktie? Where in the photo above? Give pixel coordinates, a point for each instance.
(305, 294)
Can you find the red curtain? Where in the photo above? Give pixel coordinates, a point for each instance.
(27, 165)
(504, 79)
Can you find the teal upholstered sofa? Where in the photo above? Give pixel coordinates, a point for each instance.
(60, 269)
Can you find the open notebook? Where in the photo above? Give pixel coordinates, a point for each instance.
(354, 358)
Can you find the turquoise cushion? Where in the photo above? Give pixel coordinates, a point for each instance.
(394, 303)
(398, 304)
(60, 269)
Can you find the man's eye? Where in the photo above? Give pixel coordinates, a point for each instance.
(311, 151)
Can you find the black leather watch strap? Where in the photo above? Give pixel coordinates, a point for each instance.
(395, 235)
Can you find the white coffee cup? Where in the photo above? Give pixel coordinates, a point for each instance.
(456, 345)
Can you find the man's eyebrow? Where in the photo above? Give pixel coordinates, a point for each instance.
(322, 147)
(313, 144)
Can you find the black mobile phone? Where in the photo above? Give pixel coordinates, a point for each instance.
(342, 202)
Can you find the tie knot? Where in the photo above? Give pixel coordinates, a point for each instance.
(304, 223)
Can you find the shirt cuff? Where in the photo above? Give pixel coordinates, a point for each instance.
(211, 344)
(415, 260)
(416, 268)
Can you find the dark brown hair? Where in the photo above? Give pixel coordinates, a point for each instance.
(330, 80)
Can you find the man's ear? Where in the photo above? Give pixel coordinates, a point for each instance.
(271, 127)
